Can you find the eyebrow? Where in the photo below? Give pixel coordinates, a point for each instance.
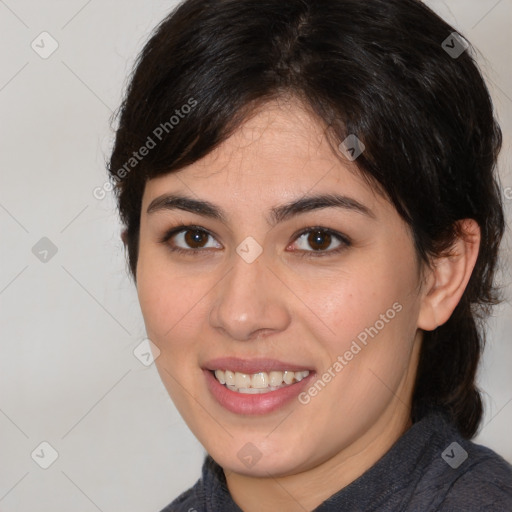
(278, 214)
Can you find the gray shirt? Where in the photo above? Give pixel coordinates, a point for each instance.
(431, 467)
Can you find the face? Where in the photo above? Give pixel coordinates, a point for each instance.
(274, 263)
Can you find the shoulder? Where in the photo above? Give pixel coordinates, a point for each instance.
(449, 473)
(210, 493)
(483, 481)
(193, 499)
(185, 502)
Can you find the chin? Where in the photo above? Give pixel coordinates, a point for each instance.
(273, 459)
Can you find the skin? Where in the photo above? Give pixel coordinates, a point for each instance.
(302, 310)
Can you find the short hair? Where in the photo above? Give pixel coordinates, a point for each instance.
(390, 72)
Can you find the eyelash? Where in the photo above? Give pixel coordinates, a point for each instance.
(345, 242)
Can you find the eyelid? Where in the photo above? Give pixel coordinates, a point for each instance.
(340, 236)
(185, 227)
(345, 241)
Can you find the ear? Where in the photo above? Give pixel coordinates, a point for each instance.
(449, 277)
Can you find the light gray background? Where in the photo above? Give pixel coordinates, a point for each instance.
(69, 326)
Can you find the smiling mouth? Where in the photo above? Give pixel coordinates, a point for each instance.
(258, 383)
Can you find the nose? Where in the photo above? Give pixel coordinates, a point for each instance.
(249, 302)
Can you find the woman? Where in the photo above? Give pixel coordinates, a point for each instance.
(312, 222)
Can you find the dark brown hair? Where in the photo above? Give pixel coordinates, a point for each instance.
(376, 68)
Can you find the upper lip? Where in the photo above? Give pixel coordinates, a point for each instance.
(251, 366)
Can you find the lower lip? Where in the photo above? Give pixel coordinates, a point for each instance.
(262, 403)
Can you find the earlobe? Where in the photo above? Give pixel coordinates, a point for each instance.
(124, 236)
(449, 277)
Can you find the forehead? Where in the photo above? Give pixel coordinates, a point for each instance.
(281, 152)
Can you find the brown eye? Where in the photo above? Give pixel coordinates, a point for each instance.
(319, 240)
(196, 239)
(192, 240)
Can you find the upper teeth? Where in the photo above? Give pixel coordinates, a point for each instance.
(253, 383)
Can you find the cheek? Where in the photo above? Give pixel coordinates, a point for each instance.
(170, 305)
(169, 299)
(360, 297)
(371, 313)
